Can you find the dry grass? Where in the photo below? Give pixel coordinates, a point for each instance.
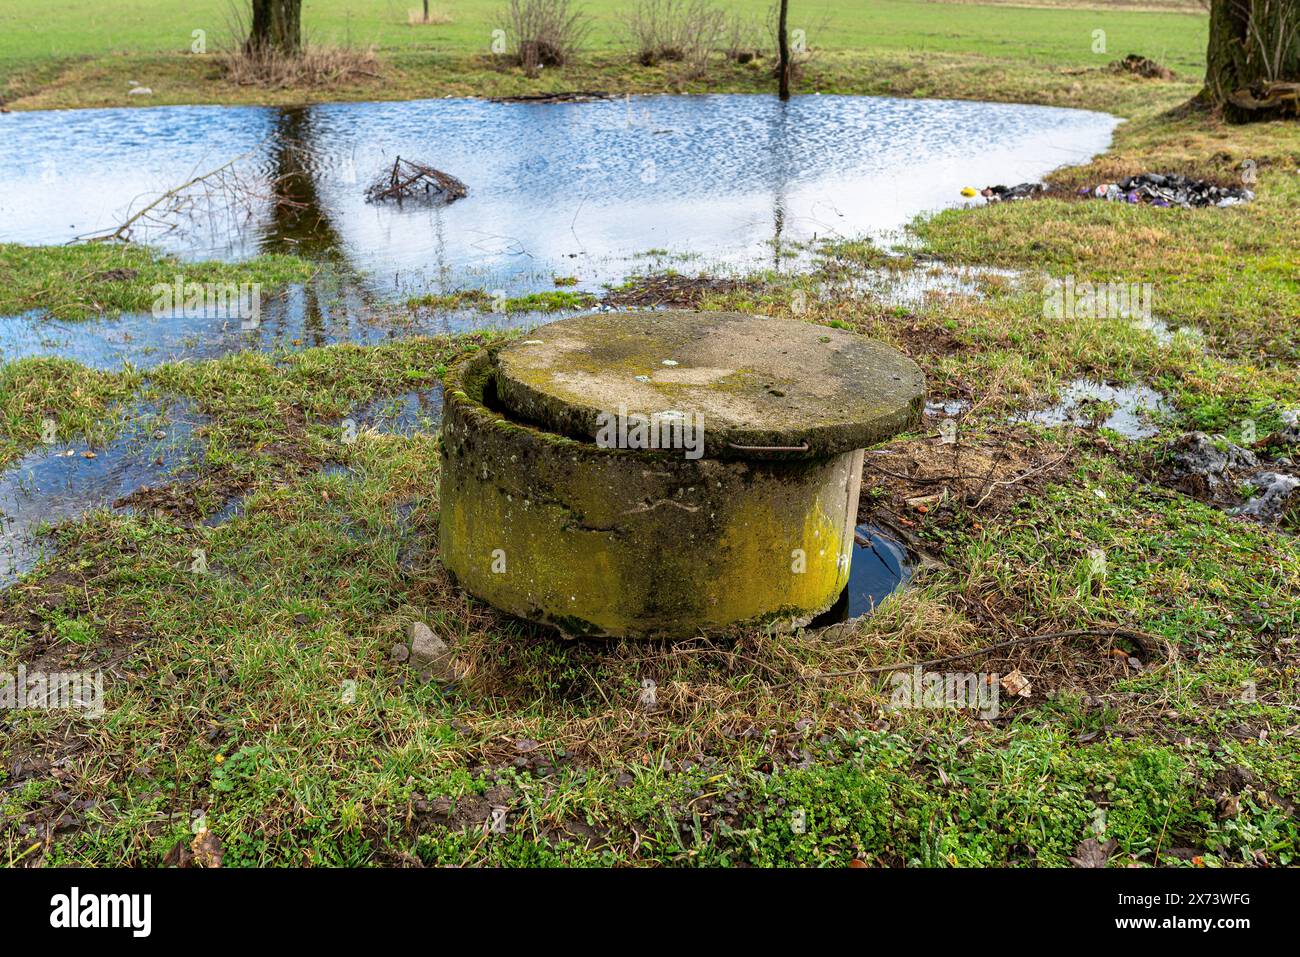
(426, 17)
(321, 67)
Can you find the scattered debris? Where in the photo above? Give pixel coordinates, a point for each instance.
(1142, 66)
(1275, 491)
(999, 194)
(410, 180)
(205, 850)
(1016, 684)
(1205, 466)
(224, 189)
(1168, 189)
(668, 289)
(573, 96)
(1289, 435)
(1090, 853)
(992, 472)
(1212, 469)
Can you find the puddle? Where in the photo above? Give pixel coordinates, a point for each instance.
(303, 318)
(573, 189)
(913, 288)
(1131, 408)
(946, 406)
(1166, 336)
(52, 484)
(879, 565)
(419, 410)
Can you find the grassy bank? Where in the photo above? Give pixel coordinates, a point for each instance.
(94, 279)
(65, 55)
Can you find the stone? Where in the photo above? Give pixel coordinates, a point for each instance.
(400, 652)
(426, 647)
(1212, 457)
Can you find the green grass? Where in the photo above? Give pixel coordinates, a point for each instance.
(92, 279)
(66, 28)
(259, 698)
(68, 54)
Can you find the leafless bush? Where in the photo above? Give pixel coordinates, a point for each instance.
(675, 31)
(544, 32)
(742, 36)
(313, 65)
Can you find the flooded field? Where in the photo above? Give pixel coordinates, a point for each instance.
(578, 194)
(558, 189)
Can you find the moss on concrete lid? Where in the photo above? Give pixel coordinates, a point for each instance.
(756, 386)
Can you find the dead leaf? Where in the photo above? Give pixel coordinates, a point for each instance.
(1091, 854)
(1229, 805)
(207, 849)
(1015, 684)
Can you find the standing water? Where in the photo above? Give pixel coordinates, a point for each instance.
(554, 190)
(583, 192)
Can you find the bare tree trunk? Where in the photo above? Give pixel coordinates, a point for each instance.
(1252, 62)
(277, 25)
(783, 53)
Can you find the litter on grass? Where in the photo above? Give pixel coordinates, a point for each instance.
(1150, 189)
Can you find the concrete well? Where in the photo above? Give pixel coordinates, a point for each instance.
(542, 518)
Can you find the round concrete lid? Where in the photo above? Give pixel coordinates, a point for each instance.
(750, 386)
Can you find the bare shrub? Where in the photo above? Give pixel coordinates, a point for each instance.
(742, 36)
(544, 32)
(677, 31)
(313, 65)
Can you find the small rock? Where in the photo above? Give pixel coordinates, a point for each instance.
(400, 652)
(425, 645)
(139, 91)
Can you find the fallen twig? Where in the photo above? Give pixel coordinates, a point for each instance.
(1144, 641)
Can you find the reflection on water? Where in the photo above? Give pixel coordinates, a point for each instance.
(1128, 410)
(62, 482)
(419, 410)
(559, 189)
(325, 311)
(878, 566)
